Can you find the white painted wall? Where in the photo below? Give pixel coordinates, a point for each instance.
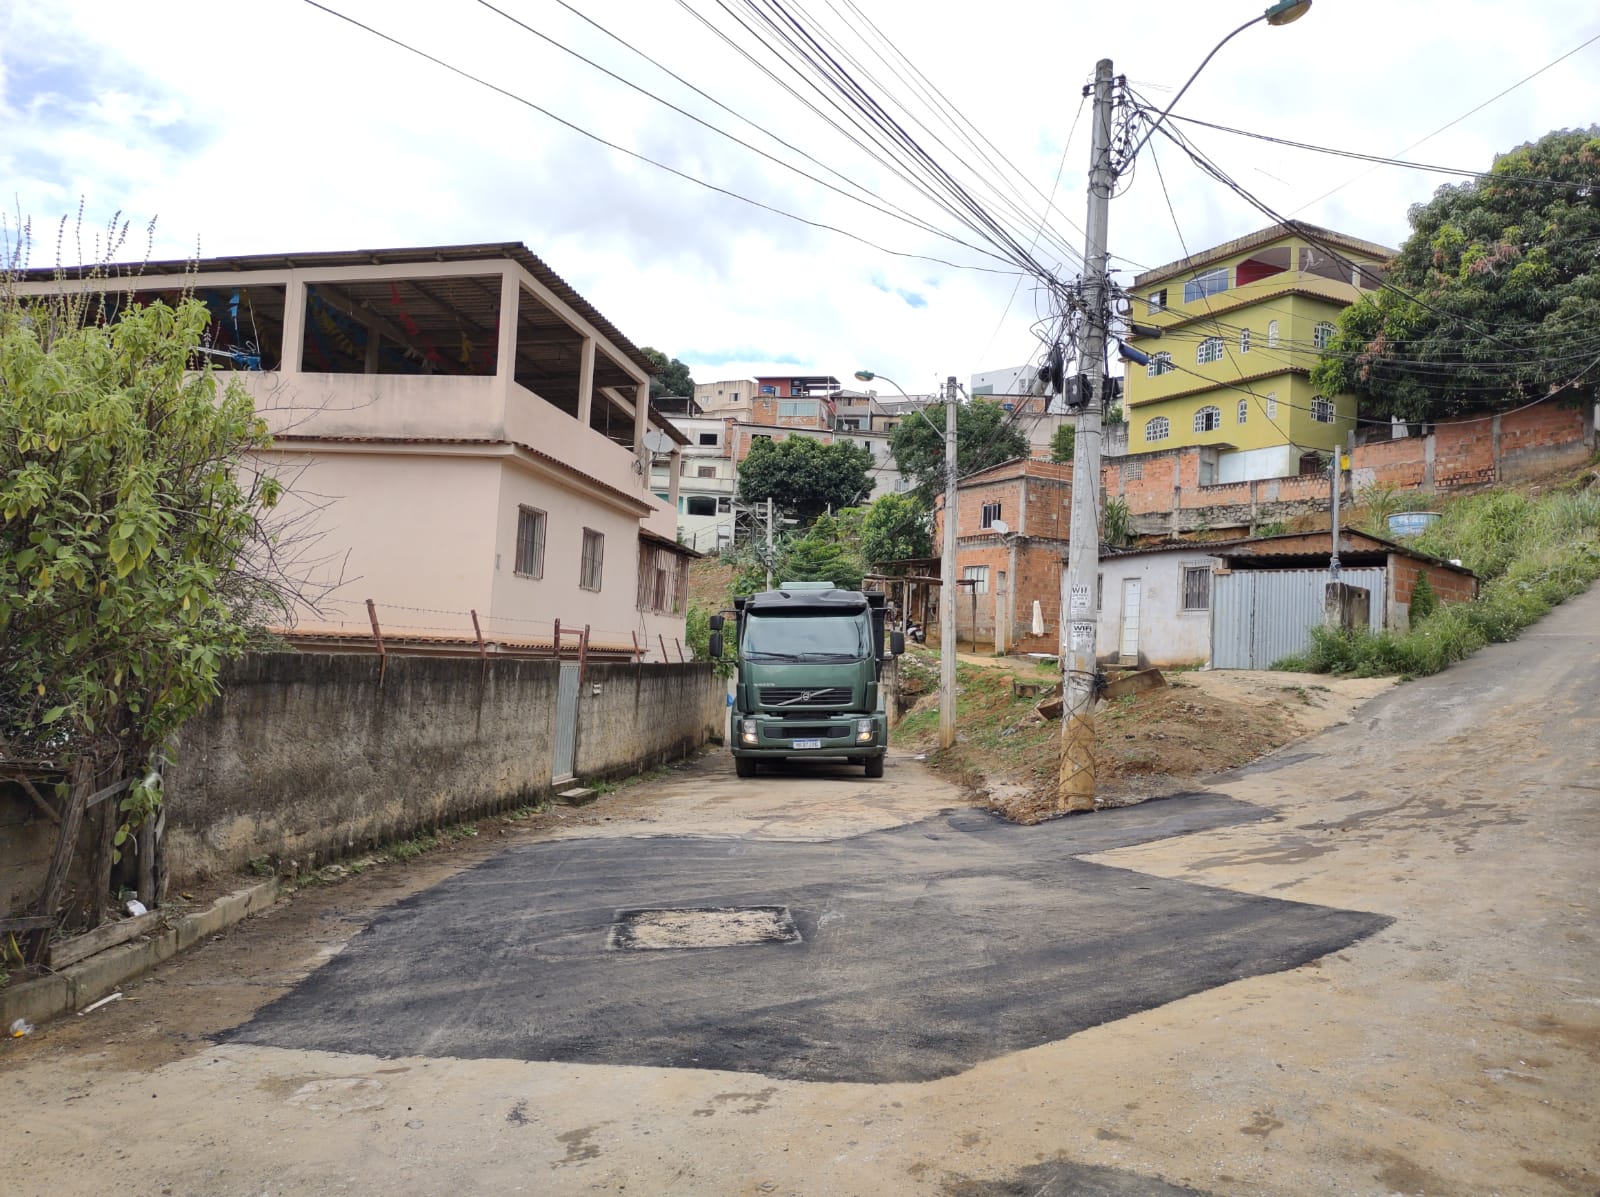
(1251, 465)
(1168, 635)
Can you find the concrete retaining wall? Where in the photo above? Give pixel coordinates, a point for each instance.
(307, 756)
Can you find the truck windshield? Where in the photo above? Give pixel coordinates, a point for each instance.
(805, 638)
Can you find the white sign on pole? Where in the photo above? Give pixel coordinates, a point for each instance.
(1083, 635)
(1080, 600)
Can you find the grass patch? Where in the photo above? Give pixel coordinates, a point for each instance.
(1531, 554)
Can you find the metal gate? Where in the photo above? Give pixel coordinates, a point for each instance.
(1261, 616)
(566, 723)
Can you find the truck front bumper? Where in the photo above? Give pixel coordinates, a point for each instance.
(830, 738)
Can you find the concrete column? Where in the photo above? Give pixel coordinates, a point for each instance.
(294, 325)
(641, 415)
(506, 349)
(1494, 446)
(586, 382)
(676, 458)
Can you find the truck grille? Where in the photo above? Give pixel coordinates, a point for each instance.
(773, 696)
(792, 732)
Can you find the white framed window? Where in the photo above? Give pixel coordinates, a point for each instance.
(1157, 429)
(593, 562)
(1272, 405)
(1323, 410)
(1160, 363)
(1156, 301)
(706, 472)
(991, 513)
(1244, 340)
(979, 576)
(1208, 419)
(797, 408)
(1197, 588)
(1272, 334)
(1244, 411)
(1209, 283)
(1210, 350)
(1322, 334)
(531, 523)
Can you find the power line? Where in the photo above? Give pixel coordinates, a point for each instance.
(1451, 124)
(579, 129)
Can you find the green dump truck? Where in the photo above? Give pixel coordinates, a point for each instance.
(809, 677)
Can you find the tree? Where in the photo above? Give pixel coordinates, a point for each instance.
(804, 477)
(130, 549)
(1498, 293)
(985, 436)
(829, 552)
(1063, 443)
(671, 375)
(895, 529)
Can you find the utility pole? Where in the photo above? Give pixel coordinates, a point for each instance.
(1078, 600)
(947, 578)
(769, 542)
(1333, 476)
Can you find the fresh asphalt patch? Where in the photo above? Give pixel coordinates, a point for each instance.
(916, 952)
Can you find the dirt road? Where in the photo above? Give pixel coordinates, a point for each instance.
(1450, 1048)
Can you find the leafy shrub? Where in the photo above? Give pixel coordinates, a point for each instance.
(1423, 601)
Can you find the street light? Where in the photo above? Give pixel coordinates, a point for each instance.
(1285, 12)
(947, 560)
(1079, 606)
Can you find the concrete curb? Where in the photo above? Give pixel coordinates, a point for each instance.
(80, 984)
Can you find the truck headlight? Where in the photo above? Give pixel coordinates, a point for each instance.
(747, 731)
(863, 731)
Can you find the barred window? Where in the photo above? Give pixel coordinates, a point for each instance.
(1197, 588)
(1208, 419)
(1210, 350)
(991, 513)
(1272, 334)
(594, 553)
(1322, 334)
(1244, 340)
(1157, 429)
(1272, 405)
(530, 542)
(1160, 363)
(1323, 411)
(1244, 411)
(979, 576)
(663, 580)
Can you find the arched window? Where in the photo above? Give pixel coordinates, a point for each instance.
(1272, 334)
(1160, 363)
(1323, 411)
(1210, 351)
(1244, 410)
(1272, 405)
(1322, 335)
(1244, 340)
(1208, 419)
(1157, 429)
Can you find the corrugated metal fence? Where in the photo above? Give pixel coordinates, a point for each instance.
(566, 722)
(1261, 616)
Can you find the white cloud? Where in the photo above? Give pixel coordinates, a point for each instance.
(278, 128)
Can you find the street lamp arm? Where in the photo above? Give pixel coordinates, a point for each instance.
(1150, 132)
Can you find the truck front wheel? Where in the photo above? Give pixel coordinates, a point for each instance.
(744, 766)
(875, 766)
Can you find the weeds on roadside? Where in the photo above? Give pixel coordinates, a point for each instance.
(1530, 555)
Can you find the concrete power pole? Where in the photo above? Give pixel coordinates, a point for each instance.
(947, 578)
(1078, 599)
(769, 542)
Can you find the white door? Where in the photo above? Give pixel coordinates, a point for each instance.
(1130, 618)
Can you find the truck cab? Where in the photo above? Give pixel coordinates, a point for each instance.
(808, 684)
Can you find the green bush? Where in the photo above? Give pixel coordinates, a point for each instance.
(1423, 601)
(1530, 555)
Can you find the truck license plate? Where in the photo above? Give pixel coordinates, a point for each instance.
(808, 743)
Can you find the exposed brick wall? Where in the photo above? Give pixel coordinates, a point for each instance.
(1448, 586)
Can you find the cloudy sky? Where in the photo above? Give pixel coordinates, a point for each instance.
(277, 127)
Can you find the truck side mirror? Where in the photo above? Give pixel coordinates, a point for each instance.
(897, 643)
(716, 645)
(715, 623)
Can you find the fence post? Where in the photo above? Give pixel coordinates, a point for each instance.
(679, 646)
(377, 635)
(477, 631)
(663, 641)
(638, 653)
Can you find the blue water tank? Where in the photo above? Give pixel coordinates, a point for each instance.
(1411, 523)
